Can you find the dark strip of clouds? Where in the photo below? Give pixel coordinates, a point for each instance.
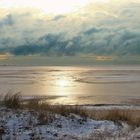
(110, 35)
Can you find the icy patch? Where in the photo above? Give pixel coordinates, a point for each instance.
(23, 125)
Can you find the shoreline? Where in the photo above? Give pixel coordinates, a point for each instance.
(127, 103)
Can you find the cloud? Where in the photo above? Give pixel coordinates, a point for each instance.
(58, 17)
(111, 29)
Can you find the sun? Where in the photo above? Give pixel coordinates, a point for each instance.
(63, 82)
(62, 6)
(48, 6)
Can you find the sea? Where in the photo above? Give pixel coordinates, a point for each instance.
(73, 84)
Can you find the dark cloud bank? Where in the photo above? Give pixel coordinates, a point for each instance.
(109, 35)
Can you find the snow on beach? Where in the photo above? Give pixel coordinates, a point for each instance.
(24, 125)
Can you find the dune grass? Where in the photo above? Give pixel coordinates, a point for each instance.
(12, 100)
(46, 111)
(132, 117)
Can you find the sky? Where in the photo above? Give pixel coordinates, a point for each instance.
(70, 27)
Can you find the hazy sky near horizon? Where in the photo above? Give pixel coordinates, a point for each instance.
(70, 27)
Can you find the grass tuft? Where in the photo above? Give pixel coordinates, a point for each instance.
(132, 117)
(45, 117)
(12, 100)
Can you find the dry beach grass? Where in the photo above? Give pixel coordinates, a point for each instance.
(131, 116)
(46, 114)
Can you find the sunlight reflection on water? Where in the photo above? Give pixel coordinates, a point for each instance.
(74, 85)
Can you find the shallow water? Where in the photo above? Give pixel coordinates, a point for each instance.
(74, 85)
